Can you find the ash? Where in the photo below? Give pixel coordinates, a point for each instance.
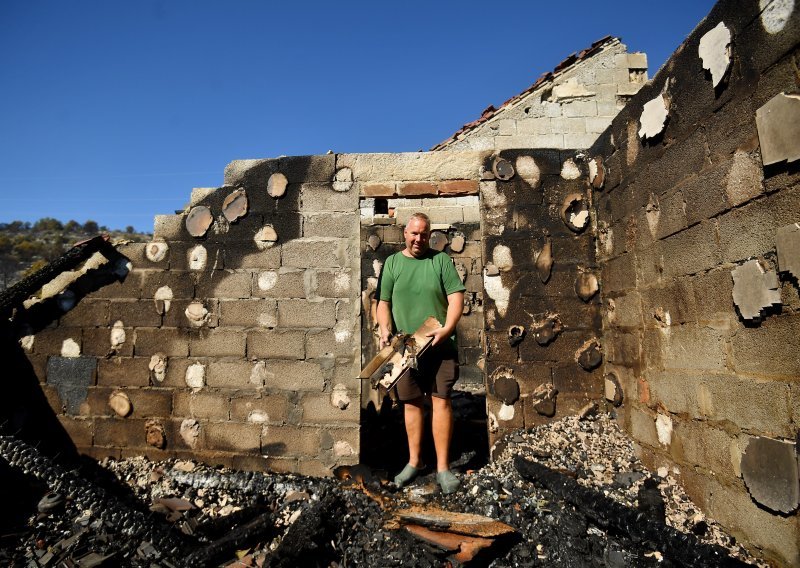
(573, 490)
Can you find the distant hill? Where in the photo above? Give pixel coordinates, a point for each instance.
(26, 247)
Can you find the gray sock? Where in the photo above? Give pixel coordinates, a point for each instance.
(447, 481)
(407, 475)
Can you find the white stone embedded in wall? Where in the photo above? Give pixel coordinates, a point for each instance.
(715, 52)
(70, 348)
(196, 376)
(267, 280)
(654, 116)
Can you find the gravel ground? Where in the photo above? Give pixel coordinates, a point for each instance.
(300, 521)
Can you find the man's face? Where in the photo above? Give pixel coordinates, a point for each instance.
(418, 235)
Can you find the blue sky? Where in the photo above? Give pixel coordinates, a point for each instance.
(113, 111)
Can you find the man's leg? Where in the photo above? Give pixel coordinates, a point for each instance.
(442, 431)
(414, 414)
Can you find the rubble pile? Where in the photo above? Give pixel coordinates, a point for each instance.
(570, 493)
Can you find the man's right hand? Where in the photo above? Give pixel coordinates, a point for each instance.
(386, 339)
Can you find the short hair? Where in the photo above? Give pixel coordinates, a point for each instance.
(422, 217)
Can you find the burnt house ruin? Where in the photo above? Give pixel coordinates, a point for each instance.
(624, 242)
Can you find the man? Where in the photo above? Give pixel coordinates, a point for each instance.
(416, 283)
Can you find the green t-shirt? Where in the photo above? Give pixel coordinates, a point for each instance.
(418, 288)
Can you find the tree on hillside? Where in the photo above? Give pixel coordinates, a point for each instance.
(48, 224)
(72, 226)
(90, 227)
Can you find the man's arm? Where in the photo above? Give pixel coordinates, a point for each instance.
(455, 306)
(385, 322)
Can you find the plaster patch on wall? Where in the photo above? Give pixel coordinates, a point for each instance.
(715, 52)
(27, 342)
(120, 403)
(570, 170)
(196, 376)
(197, 314)
(158, 367)
(343, 180)
(341, 332)
(664, 429)
(260, 375)
(787, 242)
(199, 220)
(266, 237)
(770, 472)
(501, 257)
(754, 289)
(377, 265)
(457, 242)
(373, 241)
(190, 432)
(163, 299)
(778, 124)
(497, 292)
(502, 169)
(506, 412)
(267, 280)
(544, 260)
(597, 172)
(339, 397)
(341, 282)
(156, 251)
(492, 424)
(705, 402)
(652, 212)
(571, 89)
(70, 348)
(775, 14)
(198, 256)
(586, 285)
(276, 185)
(544, 399)
(235, 206)
(546, 327)
(575, 212)
(117, 334)
(528, 169)
(257, 417)
(653, 117)
(342, 448)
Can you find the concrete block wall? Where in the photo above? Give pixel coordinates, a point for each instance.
(259, 340)
(679, 212)
(569, 111)
(520, 216)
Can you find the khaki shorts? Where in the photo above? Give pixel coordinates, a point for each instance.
(436, 375)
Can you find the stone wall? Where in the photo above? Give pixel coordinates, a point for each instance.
(699, 253)
(237, 346)
(568, 108)
(540, 289)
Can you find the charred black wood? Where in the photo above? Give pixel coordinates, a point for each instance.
(109, 510)
(256, 530)
(307, 542)
(14, 296)
(678, 548)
